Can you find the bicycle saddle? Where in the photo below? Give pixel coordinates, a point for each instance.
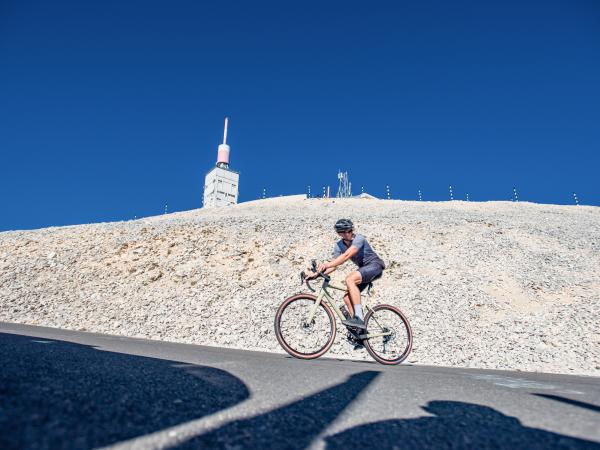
(370, 285)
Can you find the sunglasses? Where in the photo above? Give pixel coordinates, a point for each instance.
(344, 232)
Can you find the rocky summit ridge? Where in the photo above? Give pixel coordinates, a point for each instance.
(497, 285)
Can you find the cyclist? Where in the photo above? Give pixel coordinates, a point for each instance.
(370, 266)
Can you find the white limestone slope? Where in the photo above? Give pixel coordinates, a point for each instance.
(491, 285)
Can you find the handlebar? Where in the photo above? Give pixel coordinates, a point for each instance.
(313, 266)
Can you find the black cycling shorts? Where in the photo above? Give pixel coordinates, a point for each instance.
(369, 273)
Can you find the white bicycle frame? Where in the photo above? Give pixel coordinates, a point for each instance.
(325, 296)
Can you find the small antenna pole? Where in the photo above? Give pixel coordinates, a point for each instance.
(309, 191)
(515, 195)
(264, 193)
(420, 196)
(451, 193)
(166, 208)
(467, 196)
(387, 188)
(575, 198)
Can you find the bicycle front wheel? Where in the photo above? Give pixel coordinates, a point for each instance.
(297, 335)
(396, 343)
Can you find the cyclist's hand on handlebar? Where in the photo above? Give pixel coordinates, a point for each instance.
(310, 275)
(322, 268)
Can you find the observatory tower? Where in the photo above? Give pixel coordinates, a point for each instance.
(221, 183)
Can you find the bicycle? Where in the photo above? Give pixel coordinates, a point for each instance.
(305, 326)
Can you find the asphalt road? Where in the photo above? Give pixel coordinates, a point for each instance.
(74, 390)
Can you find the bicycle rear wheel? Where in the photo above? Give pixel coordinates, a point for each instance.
(296, 335)
(395, 347)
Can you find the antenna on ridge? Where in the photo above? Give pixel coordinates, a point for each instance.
(223, 152)
(344, 187)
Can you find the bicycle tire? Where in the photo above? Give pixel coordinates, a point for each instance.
(289, 348)
(404, 330)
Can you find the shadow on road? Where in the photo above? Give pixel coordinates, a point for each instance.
(56, 394)
(569, 401)
(293, 426)
(454, 425)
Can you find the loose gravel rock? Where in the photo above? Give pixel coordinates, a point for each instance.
(490, 285)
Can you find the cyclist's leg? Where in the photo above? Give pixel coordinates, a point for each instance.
(355, 286)
(349, 305)
(368, 273)
(352, 282)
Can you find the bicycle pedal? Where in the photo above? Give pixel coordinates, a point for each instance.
(354, 343)
(354, 332)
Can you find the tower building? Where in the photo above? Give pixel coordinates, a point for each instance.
(221, 183)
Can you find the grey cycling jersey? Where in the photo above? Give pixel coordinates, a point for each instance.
(365, 254)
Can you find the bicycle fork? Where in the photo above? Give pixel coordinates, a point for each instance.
(313, 309)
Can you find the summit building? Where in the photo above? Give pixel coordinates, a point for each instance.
(221, 183)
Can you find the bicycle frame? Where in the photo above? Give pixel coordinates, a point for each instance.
(325, 296)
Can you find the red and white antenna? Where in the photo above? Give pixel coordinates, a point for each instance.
(223, 151)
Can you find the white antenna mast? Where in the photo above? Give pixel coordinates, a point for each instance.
(225, 131)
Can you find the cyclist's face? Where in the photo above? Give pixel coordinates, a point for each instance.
(347, 235)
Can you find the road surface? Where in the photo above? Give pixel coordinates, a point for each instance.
(75, 390)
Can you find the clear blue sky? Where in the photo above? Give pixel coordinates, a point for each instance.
(109, 110)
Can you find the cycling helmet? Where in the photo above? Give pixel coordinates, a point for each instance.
(344, 225)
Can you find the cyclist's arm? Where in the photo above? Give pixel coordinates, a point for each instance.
(310, 274)
(328, 271)
(330, 266)
(342, 258)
